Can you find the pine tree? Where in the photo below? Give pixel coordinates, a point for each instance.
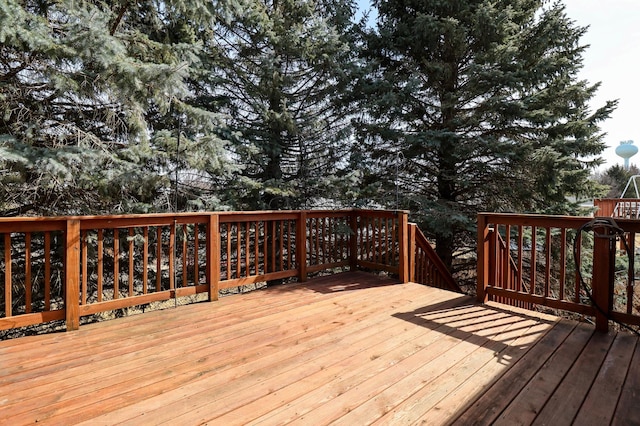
(91, 94)
(481, 103)
(281, 83)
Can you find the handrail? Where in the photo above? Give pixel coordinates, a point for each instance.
(542, 251)
(428, 268)
(63, 268)
(627, 208)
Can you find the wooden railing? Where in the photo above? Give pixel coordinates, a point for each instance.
(624, 208)
(64, 268)
(506, 270)
(427, 268)
(529, 259)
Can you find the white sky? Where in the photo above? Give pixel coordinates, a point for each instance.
(613, 59)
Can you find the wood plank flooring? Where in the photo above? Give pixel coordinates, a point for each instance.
(349, 349)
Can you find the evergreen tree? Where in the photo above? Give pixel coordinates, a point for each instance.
(281, 83)
(91, 94)
(615, 179)
(481, 103)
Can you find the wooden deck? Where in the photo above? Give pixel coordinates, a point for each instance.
(351, 349)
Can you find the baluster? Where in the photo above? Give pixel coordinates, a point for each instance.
(534, 250)
(100, 264)
(185, 255)
(520, 253)
(196, 254)
(563, 262)
(578, 262)
(131, 258)
(27, 273)
(47, 271)
(116, 263)
(145, 259)
(547, 272)
(8, 301)
(256, 251)
(83, 261)
(159, 258)
(273, 246)
(239, 250)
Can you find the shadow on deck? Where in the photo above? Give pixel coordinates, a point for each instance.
(348, 349)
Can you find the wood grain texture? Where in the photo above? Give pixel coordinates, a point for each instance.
(353, 348)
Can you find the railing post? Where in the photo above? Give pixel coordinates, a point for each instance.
(412, 252)
(403, 243)
(483, 259)
(602, 282)
(72, 274)
(353, 241)
(213, 256)
(301, 246)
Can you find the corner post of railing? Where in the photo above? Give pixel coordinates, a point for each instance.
(72, 274)
(483, 258)
(412, 252)
(403, 245)
(602, 283)
(301, 246)
(353, 240)
(213, 255)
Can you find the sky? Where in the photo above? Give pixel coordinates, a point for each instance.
(613, 59)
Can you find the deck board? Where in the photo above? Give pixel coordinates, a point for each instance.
(347, 349)
(600, 403)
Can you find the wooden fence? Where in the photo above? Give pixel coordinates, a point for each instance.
(63, 268)
(530, 260)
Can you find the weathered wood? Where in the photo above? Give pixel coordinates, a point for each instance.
(457, 400)
(600, 404)
(432, 382)
(532, 398)
(627, 409)
(489, 404)
(567, 399)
